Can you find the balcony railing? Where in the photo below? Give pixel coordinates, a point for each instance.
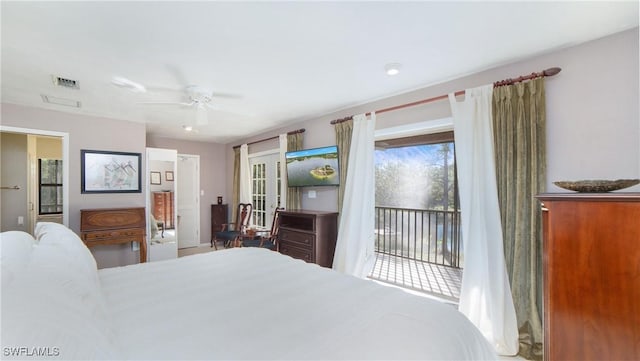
(426, 235)
(419, 249)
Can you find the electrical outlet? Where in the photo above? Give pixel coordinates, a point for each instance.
(312, 194)
(20, 220)
(135, 246)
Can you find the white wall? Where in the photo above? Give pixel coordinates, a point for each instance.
(95, 133)
(15, 168)
(48, 147)
(593, 126)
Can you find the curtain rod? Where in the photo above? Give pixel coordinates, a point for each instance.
(274, 137)
(509, 81)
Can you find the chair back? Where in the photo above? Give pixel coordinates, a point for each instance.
(275, 225)
(243, 216)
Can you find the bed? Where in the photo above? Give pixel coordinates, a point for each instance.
(235, 304)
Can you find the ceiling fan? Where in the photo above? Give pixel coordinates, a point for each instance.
(200, 98)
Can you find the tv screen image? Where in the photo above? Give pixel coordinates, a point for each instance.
(313, 167)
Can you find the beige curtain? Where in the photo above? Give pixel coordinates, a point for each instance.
(520, 146)
(343, 141)
(294, 194)
(236, 182)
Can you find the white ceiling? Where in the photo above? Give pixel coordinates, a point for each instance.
(289, 61)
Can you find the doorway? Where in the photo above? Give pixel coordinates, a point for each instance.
(188, 187)
(265, 187)
(19, 196)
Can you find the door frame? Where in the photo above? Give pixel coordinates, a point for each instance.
(65, 169)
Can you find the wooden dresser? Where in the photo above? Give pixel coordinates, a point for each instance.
(308, 235)
(591, 267)
(106, 226)
(163, 208)
(219, 216)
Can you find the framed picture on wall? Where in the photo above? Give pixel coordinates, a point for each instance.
(155, 178)
(110, 172)
(168, 175)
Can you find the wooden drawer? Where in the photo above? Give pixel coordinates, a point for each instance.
(290, 249)
(108, 234)
(298, 239)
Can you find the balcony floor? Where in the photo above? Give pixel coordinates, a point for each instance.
(437, 280)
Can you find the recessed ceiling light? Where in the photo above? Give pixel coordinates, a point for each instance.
(187, 128)
(392, 68)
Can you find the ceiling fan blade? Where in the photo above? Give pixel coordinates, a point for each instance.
(168, 103)
(160, 88)
(123, 82)
(218, 108)
(226, 95)
(212, 106)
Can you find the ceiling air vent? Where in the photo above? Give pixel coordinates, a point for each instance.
(60, 101)
(66, 83)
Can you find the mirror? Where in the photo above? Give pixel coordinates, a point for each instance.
(162, 232)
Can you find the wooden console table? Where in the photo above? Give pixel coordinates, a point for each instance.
(114, 226)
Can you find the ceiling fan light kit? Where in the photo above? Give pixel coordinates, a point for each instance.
(199, 94)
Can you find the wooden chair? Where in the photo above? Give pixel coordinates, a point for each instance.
(230, 232)
(266, 241)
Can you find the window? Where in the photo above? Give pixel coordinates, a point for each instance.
(417, 172)
(266, 179)
(418, 242)
(50, 186)
(259, 193)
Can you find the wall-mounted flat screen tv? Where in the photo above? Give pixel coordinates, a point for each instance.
(313, 167)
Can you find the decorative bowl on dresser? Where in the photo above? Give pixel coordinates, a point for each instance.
(597, 186)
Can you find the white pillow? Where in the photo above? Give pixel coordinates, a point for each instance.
(54, 303)
(42, 228)
(15, 252)
(55, 234)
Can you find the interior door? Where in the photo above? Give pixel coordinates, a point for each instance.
(265, 179)
(188, 185)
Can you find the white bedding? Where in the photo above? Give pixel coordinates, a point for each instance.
(242, 303)
(249, 303)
